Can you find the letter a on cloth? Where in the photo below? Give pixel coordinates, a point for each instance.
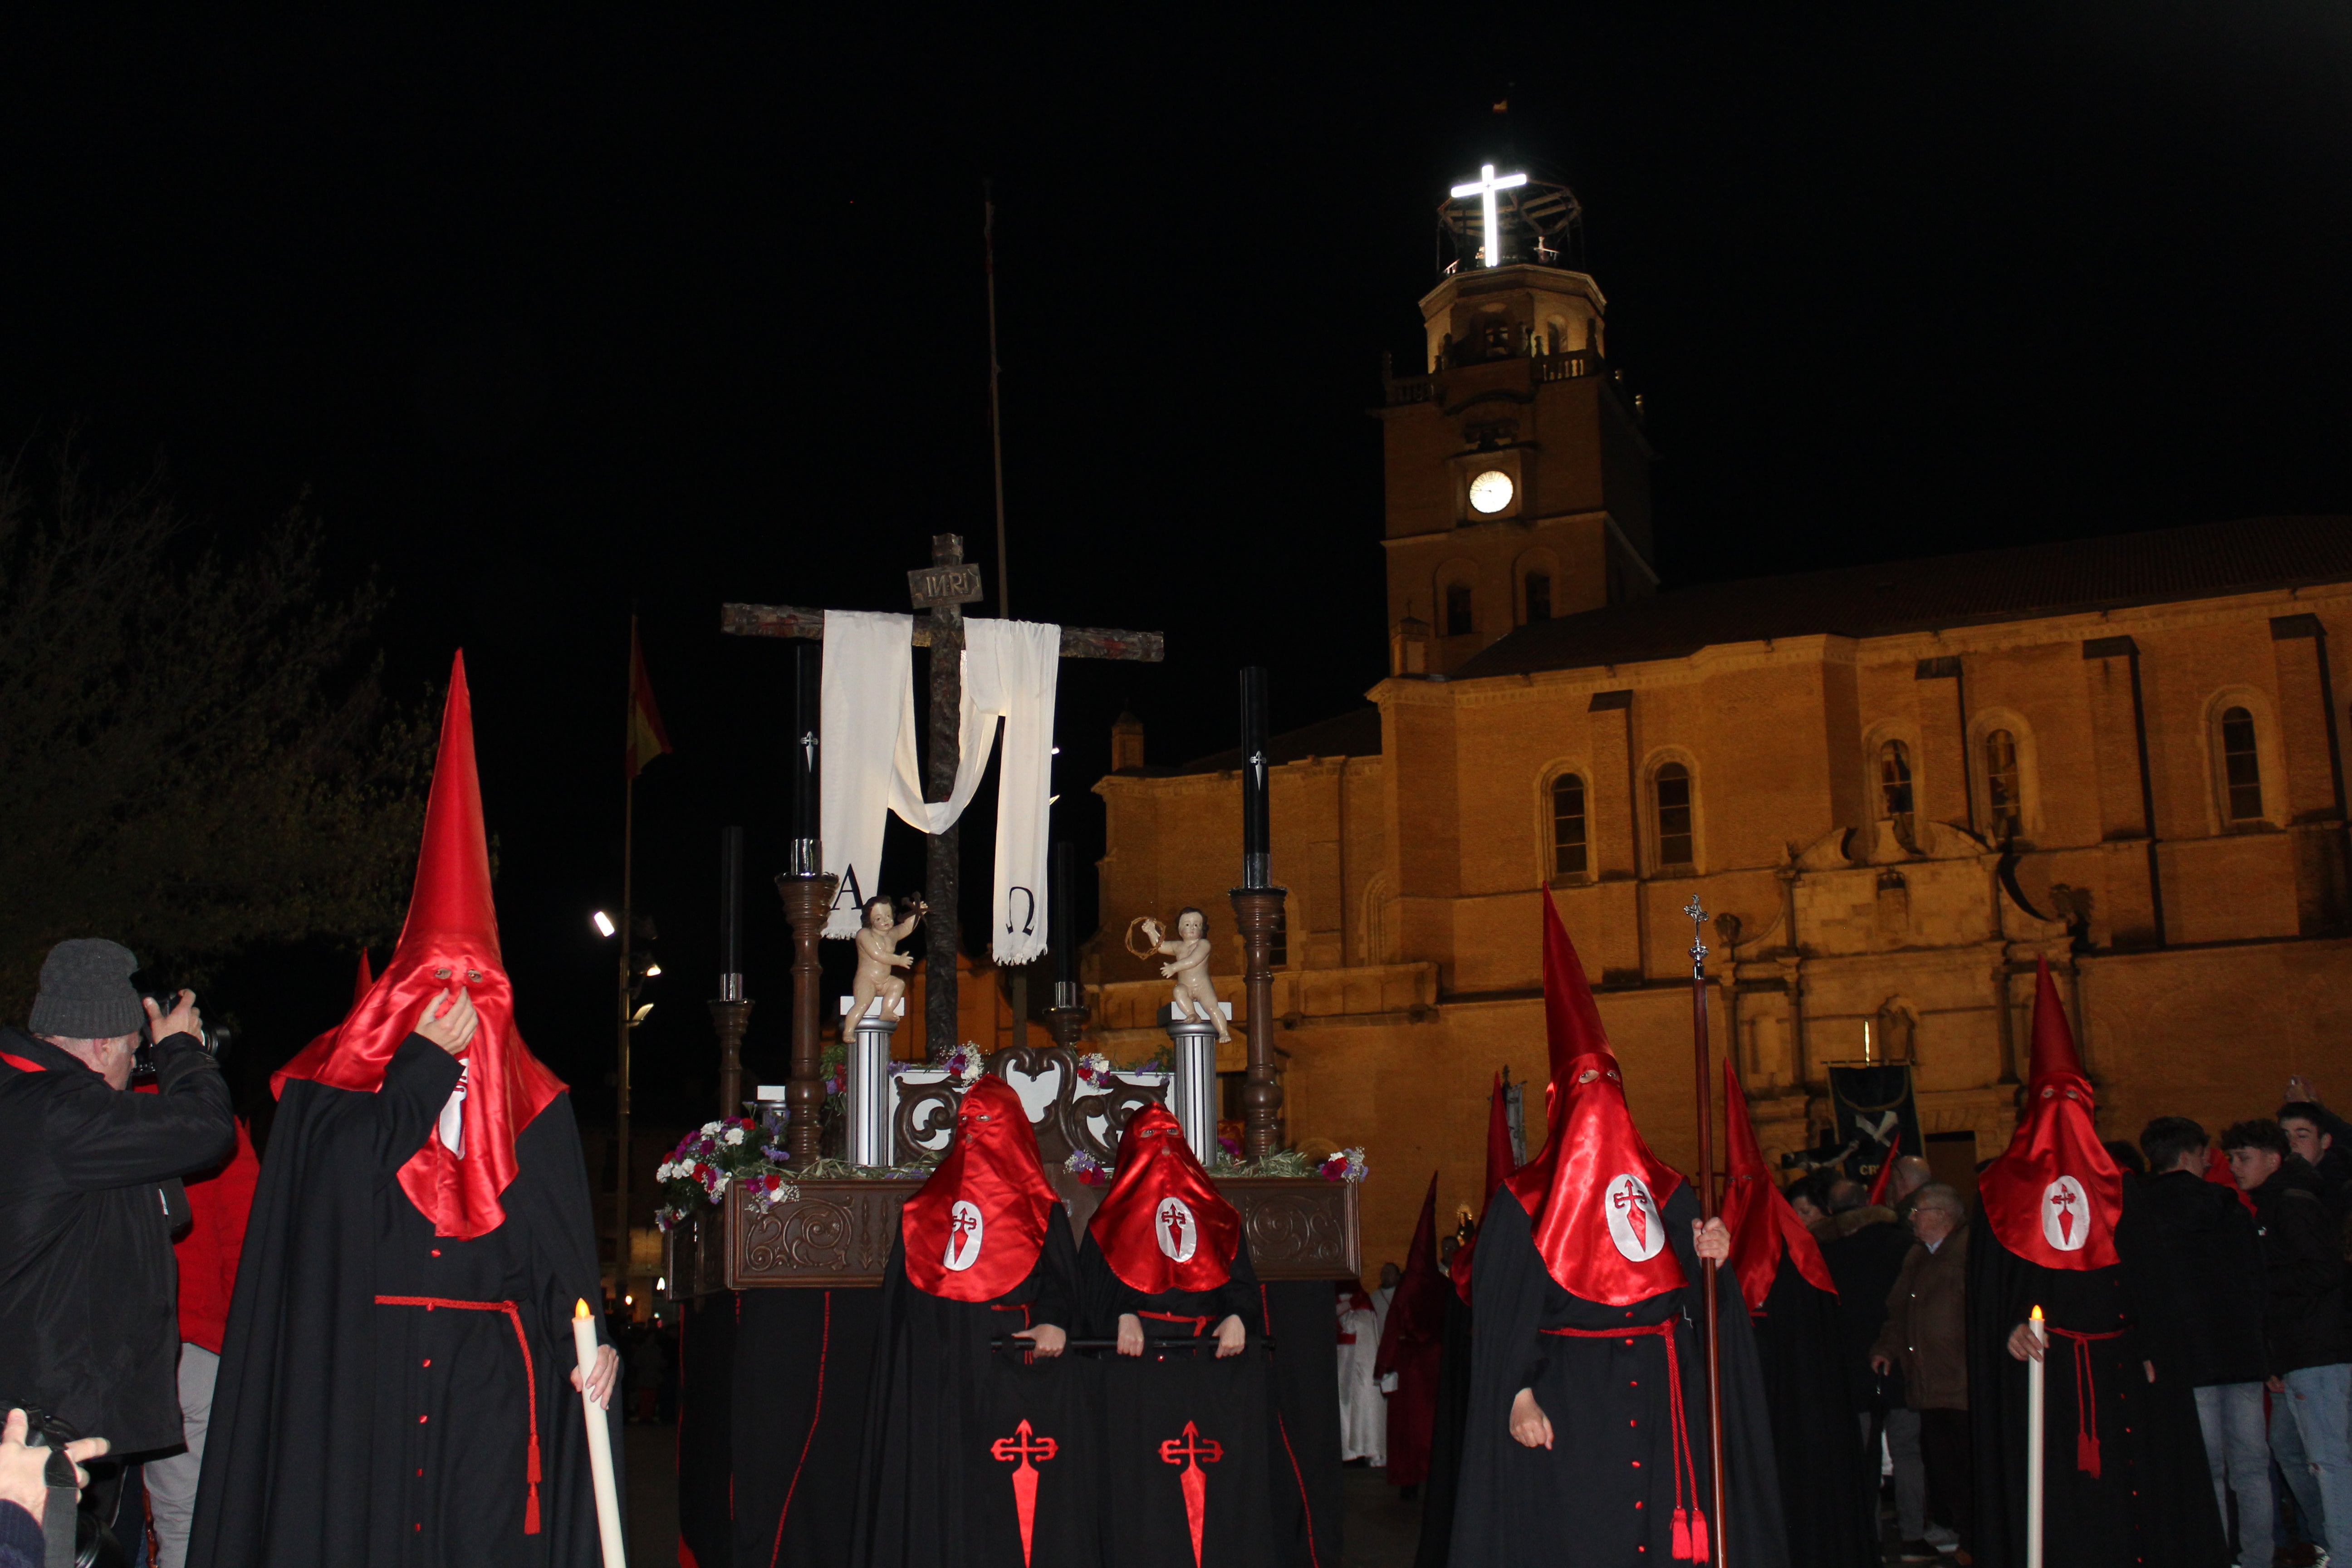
(869, 764)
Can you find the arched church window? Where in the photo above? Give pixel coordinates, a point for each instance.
(1894, 780)
(1672, 786)
(1568, 841)
(2005, 802)
(2241, 765)
(1538, 596)
(1458, 623)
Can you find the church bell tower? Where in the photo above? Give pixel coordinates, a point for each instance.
(1516, 473)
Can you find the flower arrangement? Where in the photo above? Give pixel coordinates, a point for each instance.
(964, 1061)
(1345, 1166)
(714, 1157)
(1087, 1168)
(1094, 1071)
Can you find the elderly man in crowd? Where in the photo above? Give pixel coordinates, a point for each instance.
(1927, 1336)
(89, 1195)
(2211, 1264)
(1864, 1245)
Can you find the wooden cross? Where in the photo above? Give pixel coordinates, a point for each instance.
(942, 589)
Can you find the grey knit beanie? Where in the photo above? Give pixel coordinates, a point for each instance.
(85, 991)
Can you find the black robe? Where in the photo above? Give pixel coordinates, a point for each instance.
(1437, 1498)
(1798, 1342)
(2151, 1505)
(1604, 1495)
(348, 1432)
(1147, 1404)
(943, 1439)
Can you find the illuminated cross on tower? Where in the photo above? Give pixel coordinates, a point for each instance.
(1483, 187)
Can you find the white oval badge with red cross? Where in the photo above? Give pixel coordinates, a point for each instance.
(1633, 1222)
(1173, 1226)
(2065, 1215)
(965, 1228)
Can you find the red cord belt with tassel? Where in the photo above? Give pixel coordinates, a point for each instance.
(1690, 1543)
(2086, 1393)
(530, 1373)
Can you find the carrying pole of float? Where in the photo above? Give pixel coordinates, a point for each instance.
(1697, 914)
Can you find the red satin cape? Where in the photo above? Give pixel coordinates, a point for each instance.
(2054, 1197)
(1155, 1166)
(449, 943)
(973, 1229)
(1763, 1227)
(1596, 1196)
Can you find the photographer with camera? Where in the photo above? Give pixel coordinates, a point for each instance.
(25, 1482)
(89, 1198)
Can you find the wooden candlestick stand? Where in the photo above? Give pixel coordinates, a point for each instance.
(1258, 911)
(808, 901)
(731, 1019)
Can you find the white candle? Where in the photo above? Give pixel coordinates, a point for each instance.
(600, 1441)
(2034, 1371)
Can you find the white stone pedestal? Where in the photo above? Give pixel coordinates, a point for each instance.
(1192, 1094)
(867, 1072)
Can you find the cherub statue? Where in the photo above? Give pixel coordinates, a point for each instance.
(877, 954)
(1194, 997)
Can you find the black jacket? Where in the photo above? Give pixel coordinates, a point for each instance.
(89, 1290)
(2209, 1264)
(2303, 1272)
(1864, 1249)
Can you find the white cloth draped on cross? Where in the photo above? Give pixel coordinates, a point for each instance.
(868, 765)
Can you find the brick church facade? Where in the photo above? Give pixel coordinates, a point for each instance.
(1891, 788)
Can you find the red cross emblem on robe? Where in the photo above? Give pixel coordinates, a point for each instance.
(1023, 1447)
(1191, 1450)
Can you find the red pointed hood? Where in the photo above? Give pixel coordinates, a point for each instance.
(1763, 1227)
(1596, 1195)
(1417, 1313)
(1163, 1225)
(1886, 1177)
(361, 987)
(2054, 1198)
(1500, 1167)
(451, 939)
(974, 1230)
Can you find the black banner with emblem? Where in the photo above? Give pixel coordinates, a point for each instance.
(1871, 1105)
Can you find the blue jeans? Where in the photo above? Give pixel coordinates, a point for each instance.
(2312, 1423)
(2237, 1450)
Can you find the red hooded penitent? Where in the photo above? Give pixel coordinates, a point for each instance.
(2054, 1198)
(450, 943)
(1763, 1227)
(1596, 1195)
(1500, 1167)
(974, 1230)
(1163, 1225)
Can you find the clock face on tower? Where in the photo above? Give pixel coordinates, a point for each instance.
(1490, 492)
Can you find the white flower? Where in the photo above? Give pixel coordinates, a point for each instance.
(734, 1136)
(662, 1173)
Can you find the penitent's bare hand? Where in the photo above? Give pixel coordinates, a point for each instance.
(1130, 1334)
(23, 1471)
(1530, 1426)
(2024, 1344)
(1045, 1339)
(601, 1376)
(183, 1019)
(449, 1024)
(1231, 1337)
(1713, 1240)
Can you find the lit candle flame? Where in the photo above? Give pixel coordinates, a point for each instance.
(579, 1308)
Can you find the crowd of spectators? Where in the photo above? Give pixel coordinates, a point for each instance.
(2241, 1241)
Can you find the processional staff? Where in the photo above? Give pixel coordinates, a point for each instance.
(1697, 913)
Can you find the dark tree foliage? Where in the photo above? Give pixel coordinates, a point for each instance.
(195, 756)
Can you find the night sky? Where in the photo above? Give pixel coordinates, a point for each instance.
(545, 318)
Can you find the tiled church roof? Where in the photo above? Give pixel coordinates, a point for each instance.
(2204, 562)
(1356, 734)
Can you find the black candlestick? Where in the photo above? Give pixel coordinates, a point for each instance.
(731, 917)
(1257, 860)
(1058, 922)
(808, 707)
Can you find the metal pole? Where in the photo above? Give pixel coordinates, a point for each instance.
(1697, 914)
(996, 424)
(621, 1117)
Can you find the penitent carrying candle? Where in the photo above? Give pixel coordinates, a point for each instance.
(1257, 862)
(600, 1442)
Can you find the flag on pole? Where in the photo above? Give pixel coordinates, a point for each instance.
(647, 738)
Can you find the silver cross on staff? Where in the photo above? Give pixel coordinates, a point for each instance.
(1697, 913)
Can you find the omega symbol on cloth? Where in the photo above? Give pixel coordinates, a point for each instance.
(964, 1231)
(1633, 1222)
(2065, 1215)
(1174, 1228)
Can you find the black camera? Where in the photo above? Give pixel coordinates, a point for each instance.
(165, 998)
(94, 1544)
